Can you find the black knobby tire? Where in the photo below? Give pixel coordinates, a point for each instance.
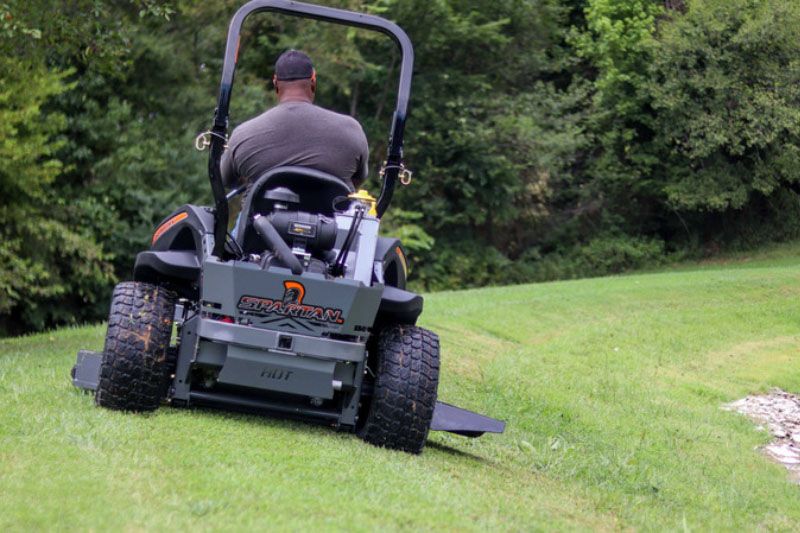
(135, 370)
(404, 392)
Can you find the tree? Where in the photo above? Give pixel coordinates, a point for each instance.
(53, 270)
(49, 269)
(726, 87)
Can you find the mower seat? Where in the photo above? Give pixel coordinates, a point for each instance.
(317, 191)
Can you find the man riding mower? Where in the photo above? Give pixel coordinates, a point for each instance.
(301, 313)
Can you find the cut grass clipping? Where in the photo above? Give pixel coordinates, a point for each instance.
(612, 389)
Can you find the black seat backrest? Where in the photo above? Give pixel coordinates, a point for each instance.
(317, 191)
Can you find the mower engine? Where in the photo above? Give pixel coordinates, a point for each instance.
(310, 237)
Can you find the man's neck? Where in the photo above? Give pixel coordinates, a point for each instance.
(294, 100)
(295, 96)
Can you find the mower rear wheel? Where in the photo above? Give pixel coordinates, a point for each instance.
(404, 392)
(134, 373)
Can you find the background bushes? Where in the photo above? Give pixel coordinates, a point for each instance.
(549, 138)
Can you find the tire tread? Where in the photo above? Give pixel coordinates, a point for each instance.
(405, 389)
(134, 372)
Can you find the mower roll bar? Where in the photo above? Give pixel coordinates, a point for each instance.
(219, 129)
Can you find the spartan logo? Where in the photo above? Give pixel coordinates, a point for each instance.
(293, 292)
(291, 305)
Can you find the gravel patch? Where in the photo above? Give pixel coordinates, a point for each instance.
(779, 413)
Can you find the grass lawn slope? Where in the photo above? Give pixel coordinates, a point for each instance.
(611, 388)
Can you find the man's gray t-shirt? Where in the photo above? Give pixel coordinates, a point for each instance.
(297, 133)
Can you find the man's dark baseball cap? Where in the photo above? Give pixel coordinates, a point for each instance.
(293, 65)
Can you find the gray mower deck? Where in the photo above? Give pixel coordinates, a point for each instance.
(446, 417)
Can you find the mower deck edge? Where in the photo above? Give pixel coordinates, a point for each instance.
(86, 375)
(462, 422)
(86, 372)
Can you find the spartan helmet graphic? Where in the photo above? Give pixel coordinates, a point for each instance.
(293, 292)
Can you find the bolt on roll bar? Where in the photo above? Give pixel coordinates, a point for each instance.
(394, 155)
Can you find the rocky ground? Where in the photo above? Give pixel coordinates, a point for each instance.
(779, 413)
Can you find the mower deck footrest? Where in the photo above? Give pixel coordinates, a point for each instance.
(450, 418)
(86, 372)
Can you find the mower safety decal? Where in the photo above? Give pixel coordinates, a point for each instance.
(168, 224)
(291, 305)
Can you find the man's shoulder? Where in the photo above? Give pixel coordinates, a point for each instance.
(329, 112)
(335, 116)
(281, 115)
(249, 125)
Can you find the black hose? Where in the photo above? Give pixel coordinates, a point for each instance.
(275, 243)
(341, 260)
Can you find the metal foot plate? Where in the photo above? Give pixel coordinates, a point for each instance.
(450, 418)
(86, 372)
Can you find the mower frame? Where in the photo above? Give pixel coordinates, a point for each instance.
(219, 129)
(265, 333)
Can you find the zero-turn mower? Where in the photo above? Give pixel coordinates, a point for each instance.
(302, 313)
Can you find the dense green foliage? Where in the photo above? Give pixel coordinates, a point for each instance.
(549, 138)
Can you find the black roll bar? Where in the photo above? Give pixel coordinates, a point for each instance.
(394, 157)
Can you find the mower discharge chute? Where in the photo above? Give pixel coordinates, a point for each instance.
(303, 313)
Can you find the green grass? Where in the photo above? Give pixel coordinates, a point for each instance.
(611, 387)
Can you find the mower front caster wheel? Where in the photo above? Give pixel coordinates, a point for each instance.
(134, 373)
(404, 393)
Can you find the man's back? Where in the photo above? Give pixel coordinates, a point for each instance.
(297, 133)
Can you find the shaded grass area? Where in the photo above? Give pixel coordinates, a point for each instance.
(611, 388)
(774, 254)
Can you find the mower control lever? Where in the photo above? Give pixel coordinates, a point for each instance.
(337, 269)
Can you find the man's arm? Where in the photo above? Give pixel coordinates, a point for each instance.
(230, 177)
(228, 166)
